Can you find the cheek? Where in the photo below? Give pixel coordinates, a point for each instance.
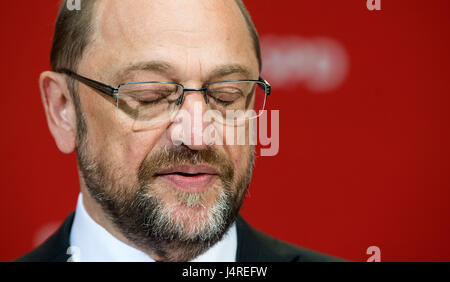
(238, 146)
(239, 155)
(112, 139)
(131, 150)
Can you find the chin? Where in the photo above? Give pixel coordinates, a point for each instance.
(193, 211)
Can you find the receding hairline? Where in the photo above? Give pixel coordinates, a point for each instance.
(68, 53)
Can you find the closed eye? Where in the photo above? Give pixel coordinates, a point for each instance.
(225, 97)
(152, 97)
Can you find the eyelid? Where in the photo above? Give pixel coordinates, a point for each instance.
(235, 91)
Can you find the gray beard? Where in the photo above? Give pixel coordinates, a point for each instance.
(146, 221)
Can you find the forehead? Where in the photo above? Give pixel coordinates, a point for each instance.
(198, 33)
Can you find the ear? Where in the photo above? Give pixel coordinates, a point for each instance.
(59, 110)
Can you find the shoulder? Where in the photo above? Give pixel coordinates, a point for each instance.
(54, 249)
(254, 245)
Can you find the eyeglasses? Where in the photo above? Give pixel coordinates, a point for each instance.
(151, 103)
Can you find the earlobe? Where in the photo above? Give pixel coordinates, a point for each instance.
(59, 110)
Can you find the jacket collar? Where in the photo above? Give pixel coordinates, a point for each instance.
(252, 245)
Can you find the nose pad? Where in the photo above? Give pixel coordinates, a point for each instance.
(206, 97)
(180, 99)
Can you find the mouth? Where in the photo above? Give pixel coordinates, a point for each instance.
(189, 178)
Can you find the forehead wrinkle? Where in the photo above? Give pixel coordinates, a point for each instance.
(139, 18)
(170, 71)
(135, 30)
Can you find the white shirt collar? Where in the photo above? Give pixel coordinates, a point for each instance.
(93, 243)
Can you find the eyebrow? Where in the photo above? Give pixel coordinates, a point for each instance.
(169, 70)
(225, 70)
(160, 67)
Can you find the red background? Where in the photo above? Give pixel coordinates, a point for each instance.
(365, 164)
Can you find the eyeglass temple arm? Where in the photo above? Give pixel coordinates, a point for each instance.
(105, 89)
(268, 88)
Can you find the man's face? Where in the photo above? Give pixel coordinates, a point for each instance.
(164, 196)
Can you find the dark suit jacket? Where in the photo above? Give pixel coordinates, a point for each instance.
(253, 246)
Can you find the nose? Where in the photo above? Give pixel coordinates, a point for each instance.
(188, 125)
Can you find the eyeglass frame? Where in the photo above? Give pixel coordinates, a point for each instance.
(114, 92)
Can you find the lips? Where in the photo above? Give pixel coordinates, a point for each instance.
(189, 178)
